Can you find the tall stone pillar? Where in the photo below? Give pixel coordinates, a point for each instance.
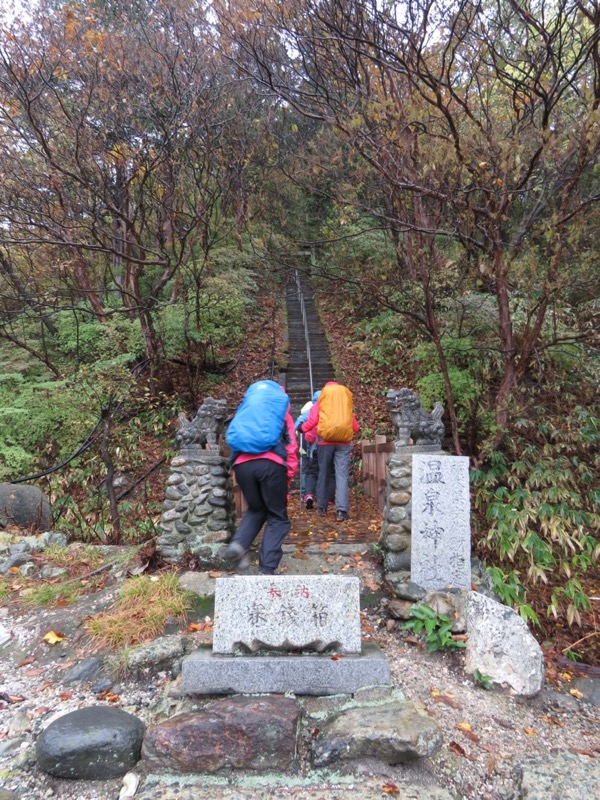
(418, 432)
(199, 513)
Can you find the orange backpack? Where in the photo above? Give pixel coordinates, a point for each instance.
(335, 414)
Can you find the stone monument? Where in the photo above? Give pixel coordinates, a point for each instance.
(441, 531)
(285, 633)
(199, 513)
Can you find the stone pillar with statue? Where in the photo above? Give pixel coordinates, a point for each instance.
(199, 510)
(418, 432)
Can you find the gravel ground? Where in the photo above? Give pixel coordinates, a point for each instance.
(487, 734)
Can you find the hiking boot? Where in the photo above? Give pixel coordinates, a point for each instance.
(322, 512)
(309, 502)
(341, 516)
(235, 557)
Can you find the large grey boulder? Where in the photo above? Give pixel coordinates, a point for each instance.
(395, 732)
(500, 645)
(24, 506)
(95, 743)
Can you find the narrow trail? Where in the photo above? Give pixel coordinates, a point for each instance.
(309, 368)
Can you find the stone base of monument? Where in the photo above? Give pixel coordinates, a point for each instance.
(204, 672)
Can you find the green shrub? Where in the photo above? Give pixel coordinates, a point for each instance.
(541, 502)
(436, 627)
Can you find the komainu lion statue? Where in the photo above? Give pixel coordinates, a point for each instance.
(206, 427)
(412, 421)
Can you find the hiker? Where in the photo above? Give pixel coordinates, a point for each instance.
(310, 463)
(262, 441)
(331, 420)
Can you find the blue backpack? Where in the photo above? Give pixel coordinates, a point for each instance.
(257, 425)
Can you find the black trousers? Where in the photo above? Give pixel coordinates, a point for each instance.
(264, 486)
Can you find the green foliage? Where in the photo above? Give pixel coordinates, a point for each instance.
(47, 594)
(82, 338)
(482, 680)
(541, 502)
(384, 337)
(436, 627)
(464, 371)
(572, 655)
(40, 417)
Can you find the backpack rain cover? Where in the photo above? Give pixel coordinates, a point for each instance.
(258, 422)
(335, 414)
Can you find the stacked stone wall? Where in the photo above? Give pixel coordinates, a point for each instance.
(199, 513)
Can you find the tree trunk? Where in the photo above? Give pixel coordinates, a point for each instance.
(509, 377)
(115, 520)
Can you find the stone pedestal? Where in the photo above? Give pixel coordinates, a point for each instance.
(199, 507)
(204, 672)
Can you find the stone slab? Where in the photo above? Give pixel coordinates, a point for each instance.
(203, 672)
(287, 612)
(441, 528)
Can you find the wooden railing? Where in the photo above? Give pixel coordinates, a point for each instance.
(375, 456)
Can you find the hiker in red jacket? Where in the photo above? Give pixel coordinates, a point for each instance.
(264, 479)
(333, 421)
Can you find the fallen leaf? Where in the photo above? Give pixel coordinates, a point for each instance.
(576, 693)
(552, 721)
(200, 626)
(530, 732)
(214, 574)
(336, 657)
(14, 569)
(582, 752)
(11, 698)
(66, 695)
(390, 788)
(27, 661)
(491, 765)
(40, 710)
(52, 637)
(456, 748)
(448, 700)
(33, 673)
(463, 726)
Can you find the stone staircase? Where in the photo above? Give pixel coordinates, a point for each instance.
(298, 378)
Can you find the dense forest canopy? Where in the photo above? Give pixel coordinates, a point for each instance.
(162, 161)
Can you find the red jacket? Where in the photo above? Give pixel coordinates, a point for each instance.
(309, 428)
